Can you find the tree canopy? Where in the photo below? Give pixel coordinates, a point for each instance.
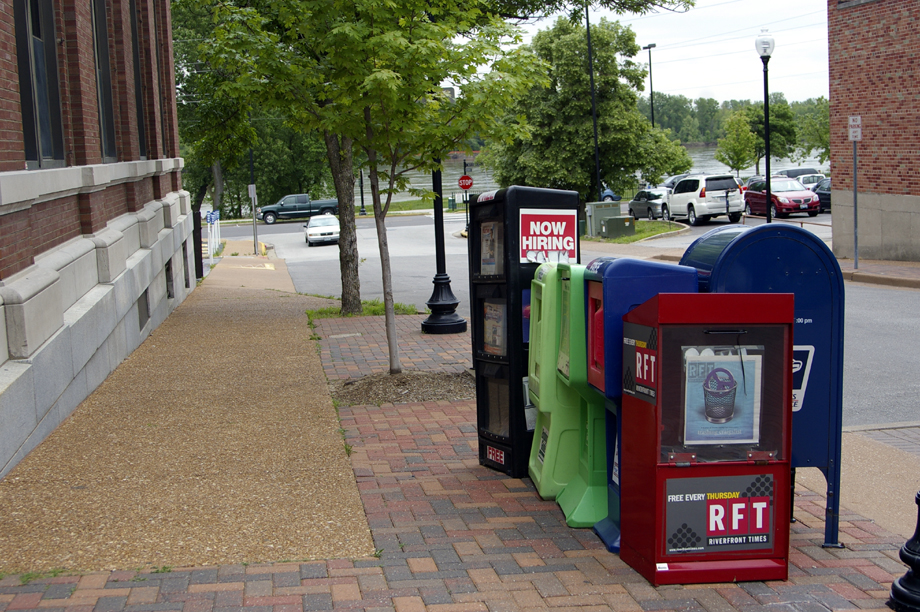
(557, 151)
(737, 149)
(813, 118)
(370, 76)
(782, 128)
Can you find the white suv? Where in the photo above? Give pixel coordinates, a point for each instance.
(700, 197)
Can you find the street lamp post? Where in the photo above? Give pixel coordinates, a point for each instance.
(765, 45)
(651, 89)
(597, 155)
(442, 303)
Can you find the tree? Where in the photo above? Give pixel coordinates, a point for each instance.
(369, 75)
(707, 115)
(813, 119)
(782, 129)
(674, 113)
(737, 149)
(557, 151)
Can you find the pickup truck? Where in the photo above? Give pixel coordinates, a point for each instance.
(296, 206)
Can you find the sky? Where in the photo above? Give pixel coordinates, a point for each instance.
(709, 51)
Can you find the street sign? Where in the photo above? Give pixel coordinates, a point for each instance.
(855, 128)
(465, 181)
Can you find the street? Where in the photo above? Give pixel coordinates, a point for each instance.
(880, 379)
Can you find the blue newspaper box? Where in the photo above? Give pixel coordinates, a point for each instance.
(778, 258)
(613, 287)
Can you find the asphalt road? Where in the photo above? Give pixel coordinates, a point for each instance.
(882, 323)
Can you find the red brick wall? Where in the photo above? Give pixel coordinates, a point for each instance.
(54, 223)
(874, 58)
(167, 80)
(12, 152)
(148, 51)
(82, 121)
(15, 242)
(29, 232)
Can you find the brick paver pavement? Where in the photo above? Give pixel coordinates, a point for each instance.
(453, 536)
(356, 346)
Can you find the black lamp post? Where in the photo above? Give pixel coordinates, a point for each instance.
(597, 155)
(442, 303)
(764, 45)
(905, 591)
(651, 90)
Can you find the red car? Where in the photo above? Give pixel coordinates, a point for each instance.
(788, 195)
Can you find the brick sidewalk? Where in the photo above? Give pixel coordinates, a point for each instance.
(454, 536)
(357, 346)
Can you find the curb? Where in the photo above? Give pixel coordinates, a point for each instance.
(880, 279)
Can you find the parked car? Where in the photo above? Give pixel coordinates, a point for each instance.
(607, 195)
(700, 197)
(797, 172)
(810, 180)
(647, 204)
(787, 195)
(823, 191)
(669, 183)
(321, 229)
(296, 206)
(756, 177)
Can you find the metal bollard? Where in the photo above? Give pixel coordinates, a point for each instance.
(905, 591)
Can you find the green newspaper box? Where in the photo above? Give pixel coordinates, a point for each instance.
(568, 456)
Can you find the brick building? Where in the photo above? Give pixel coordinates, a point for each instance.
(874, 68)
(95, 229)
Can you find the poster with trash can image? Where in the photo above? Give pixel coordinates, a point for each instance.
(722, 396)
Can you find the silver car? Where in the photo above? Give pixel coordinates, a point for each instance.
(647, 204)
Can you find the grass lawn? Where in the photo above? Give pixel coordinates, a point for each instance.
(644, 229)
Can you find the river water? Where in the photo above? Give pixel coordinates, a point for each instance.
(704, 162)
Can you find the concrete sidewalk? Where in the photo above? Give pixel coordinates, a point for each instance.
(451, 535)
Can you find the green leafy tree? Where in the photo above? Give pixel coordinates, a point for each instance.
(673, 113)
(782, 128)
(528, 9)
(813, 119)
(558, 149)
(708, 118)
(369, 75)
(737, 149)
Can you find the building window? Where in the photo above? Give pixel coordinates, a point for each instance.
(170, 283)
(38, 83)
(138, 84)
(143, 310)
(104, 81)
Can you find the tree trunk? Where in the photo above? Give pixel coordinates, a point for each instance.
(385, 272)
(218, 174)
(200, 192)
(389, 308)
(341, 161)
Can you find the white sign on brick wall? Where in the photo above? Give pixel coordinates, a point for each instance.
(855, 128)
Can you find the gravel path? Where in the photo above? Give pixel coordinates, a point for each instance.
(215, 442)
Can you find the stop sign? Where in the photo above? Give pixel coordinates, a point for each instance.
(465, 182)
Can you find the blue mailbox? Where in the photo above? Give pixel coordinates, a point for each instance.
(779, 258)
(613, 287)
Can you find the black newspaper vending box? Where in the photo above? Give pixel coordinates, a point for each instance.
(512, 232)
